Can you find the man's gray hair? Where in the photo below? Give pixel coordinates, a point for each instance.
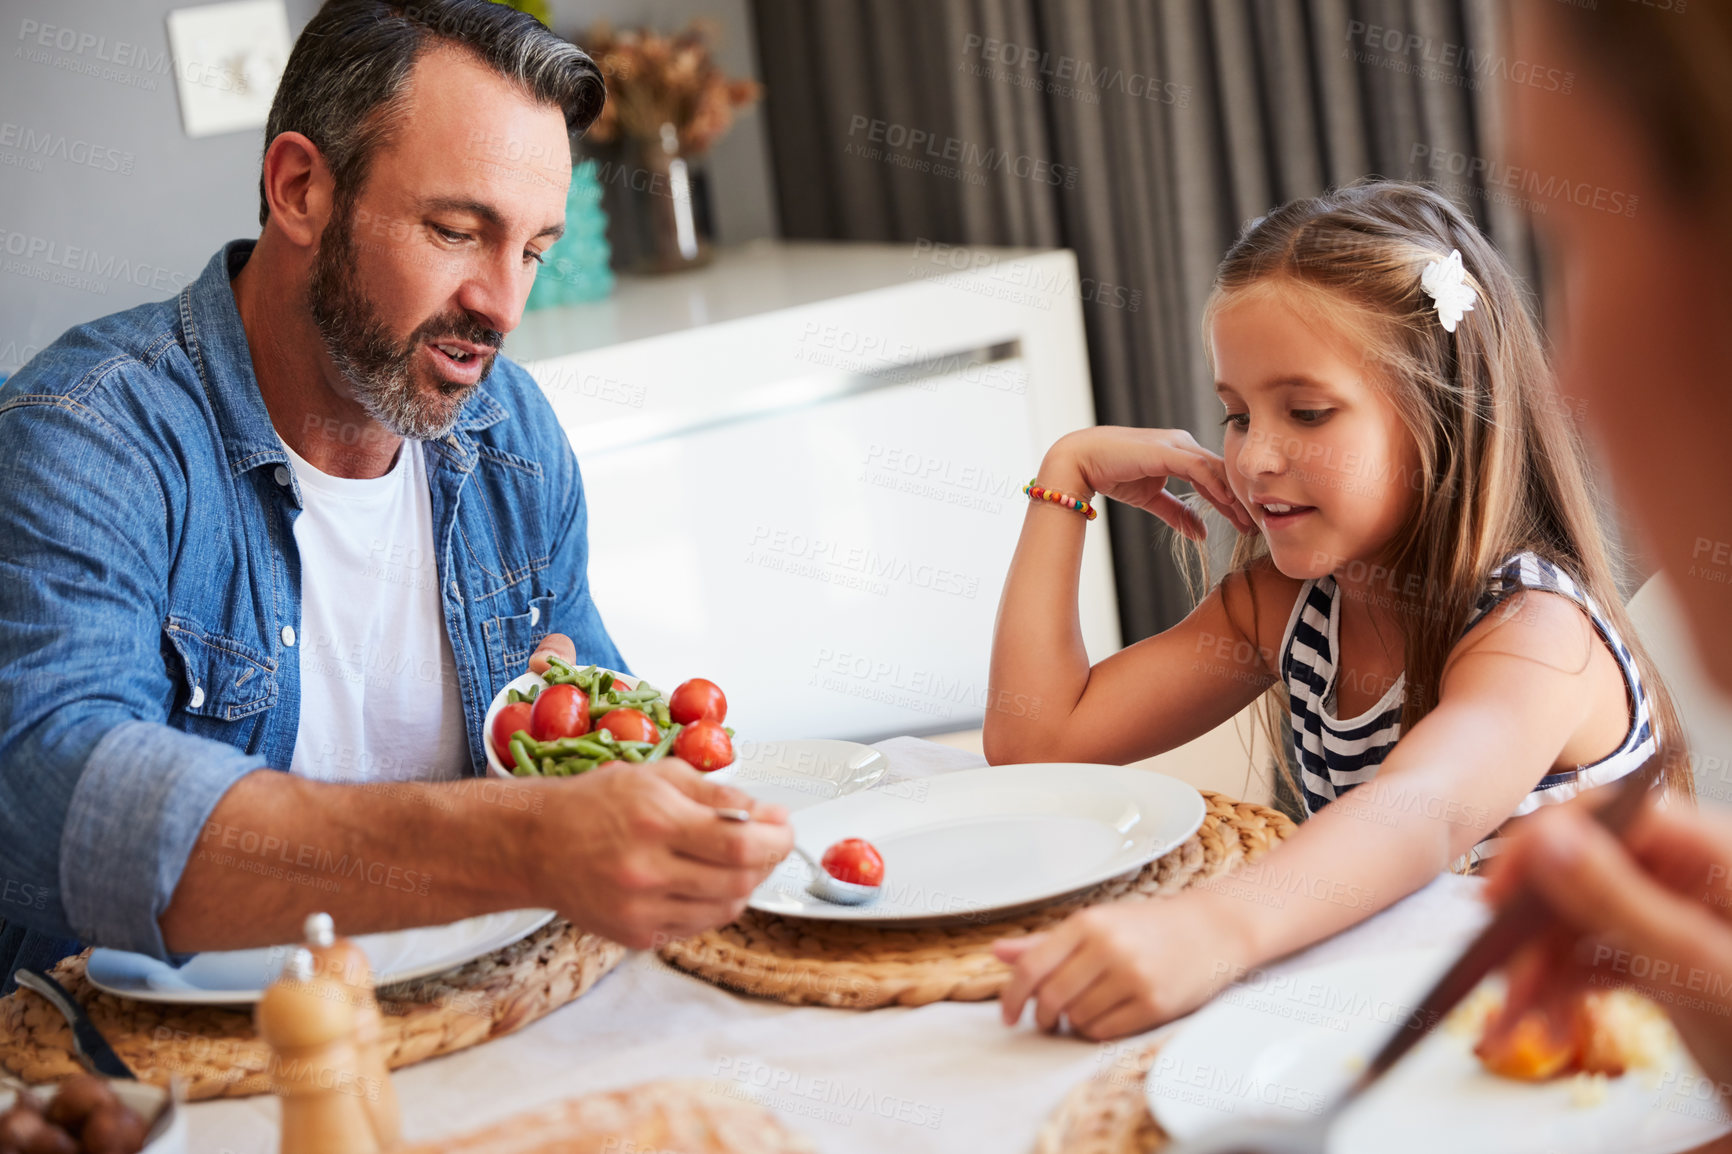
(345, 82)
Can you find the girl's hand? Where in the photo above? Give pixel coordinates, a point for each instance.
(1132, 466)
(1657, 913)
(1124, 968)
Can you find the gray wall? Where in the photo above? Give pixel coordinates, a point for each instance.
(105, 203)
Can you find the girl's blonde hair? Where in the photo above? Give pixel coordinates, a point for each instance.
(1502, 468)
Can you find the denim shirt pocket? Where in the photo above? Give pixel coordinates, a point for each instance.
(511, 640)
(222, 679)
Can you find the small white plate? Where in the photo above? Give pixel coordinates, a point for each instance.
(239, 977)
(795, 774)
(801, 774)
(1282, 1046)
(986, 842)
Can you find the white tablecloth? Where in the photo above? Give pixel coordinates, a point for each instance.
(946, 1077)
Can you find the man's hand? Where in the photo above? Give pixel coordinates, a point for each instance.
(637, 854)
(556, 644)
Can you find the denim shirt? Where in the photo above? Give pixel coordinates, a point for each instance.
(150, 596)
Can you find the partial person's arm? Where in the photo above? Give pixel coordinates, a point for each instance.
(1045, 702)
(1656, 907)
(1515, 693)
(632, 852)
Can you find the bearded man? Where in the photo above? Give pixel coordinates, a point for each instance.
(283, 538)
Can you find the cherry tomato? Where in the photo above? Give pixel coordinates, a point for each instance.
(698, 700)
(506, 722)
(854, 860)
(559, 711)
(704, 745)
(629, 725)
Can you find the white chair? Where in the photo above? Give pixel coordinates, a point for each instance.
(1707, 715)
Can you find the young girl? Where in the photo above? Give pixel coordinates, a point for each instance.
(1420, 559)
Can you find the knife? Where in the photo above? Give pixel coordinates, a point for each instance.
(92, 1049)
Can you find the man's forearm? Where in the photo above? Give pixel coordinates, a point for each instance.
(376, 857)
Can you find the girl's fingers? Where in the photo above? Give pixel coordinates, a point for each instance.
(1207, 473)
(1107, 992)
(1077, 973)
(1032, 968)
(1010, 949)
(1177, 514)
(1126, 1017)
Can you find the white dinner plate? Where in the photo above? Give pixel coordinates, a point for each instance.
(795, 774)
(238, 977)
(1283, 1046)
(985, 842)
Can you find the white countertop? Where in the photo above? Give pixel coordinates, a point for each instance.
(944, 1077)
(744, 281)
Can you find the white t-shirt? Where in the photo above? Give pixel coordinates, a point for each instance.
(379, 695)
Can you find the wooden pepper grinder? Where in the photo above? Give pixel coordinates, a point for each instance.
(342, 959)
(308, 1019)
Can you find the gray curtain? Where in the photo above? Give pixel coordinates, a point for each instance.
(1173, 123)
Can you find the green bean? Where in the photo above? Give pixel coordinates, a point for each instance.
(662, 716)
(604, 683)
(547, 767)
(631, 755)
(594, 748)
(512, 697)
(640, 746)
(665, 744)
(520, 755)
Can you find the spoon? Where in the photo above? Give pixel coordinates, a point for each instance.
(829, 888)
(823, 886)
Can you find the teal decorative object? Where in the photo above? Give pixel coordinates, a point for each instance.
(576, 265)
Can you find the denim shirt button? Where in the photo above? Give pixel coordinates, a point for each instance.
(197, 698)
(534, 614)
(282, 475)
(288, 635)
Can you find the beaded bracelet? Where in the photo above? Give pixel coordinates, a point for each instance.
(1035, 493)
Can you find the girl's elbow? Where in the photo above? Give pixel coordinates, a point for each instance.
(1002, 746)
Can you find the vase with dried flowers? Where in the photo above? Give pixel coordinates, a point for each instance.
(667, 103)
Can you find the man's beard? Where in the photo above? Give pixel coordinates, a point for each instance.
(379, 370)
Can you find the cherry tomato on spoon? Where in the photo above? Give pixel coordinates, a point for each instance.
(854, 860)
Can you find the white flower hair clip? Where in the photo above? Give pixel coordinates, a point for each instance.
(1445, 281)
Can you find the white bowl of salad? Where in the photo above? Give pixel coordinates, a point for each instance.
(573, 719)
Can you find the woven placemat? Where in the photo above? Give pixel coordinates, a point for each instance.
(672, 1117)
(216, 1051)
(862, 967)
(1109, 1113)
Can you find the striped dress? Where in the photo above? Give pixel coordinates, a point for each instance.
(1335, 754)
